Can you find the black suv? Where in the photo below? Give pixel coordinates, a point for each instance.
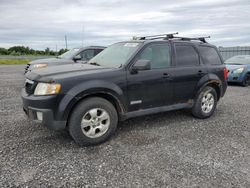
(75, 55)
(126, 80)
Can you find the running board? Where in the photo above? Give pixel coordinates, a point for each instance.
(156, 110)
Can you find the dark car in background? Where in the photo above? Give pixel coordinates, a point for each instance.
(239, 69)
(75, 55)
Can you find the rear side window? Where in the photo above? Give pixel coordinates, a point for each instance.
(186, 56)
(210, 56)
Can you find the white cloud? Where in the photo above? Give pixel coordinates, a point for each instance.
(41, 24)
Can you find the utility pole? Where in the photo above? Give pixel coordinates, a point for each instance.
(66, 42)
(82, 34)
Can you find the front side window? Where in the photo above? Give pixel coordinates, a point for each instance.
(158, 55)
(86, 55)
(97, 51)
(186, 55)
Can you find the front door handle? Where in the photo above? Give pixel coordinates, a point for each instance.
(167, 76)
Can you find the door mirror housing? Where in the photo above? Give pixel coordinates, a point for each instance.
(141, 64)
(77, 57)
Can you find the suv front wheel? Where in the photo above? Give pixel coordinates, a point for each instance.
(205, 103)
(93, 121)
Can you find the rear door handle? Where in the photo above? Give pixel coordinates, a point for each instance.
(200, 73)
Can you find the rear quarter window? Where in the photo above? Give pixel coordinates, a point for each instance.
(210, 56)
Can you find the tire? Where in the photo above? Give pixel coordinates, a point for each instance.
(92, 121)
(246, 80)
(205, 103)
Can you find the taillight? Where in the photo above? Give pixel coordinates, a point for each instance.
(225, 73)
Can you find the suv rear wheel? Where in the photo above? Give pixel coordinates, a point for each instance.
(93, 121)
(205, 103)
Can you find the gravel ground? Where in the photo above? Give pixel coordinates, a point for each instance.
(170, 149)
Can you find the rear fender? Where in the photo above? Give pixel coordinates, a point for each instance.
(210, 79)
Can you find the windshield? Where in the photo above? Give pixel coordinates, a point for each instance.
(239, 60)
(69, 54)
(115, 55)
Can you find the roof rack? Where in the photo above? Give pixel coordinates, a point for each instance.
(153, 37)
(202, 39)
(171, 36)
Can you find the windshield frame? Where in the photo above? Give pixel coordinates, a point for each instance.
(132, 55)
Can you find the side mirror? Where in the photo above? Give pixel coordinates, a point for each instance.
(77, 58)
(141, 64)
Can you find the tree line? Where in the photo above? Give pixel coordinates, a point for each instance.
(22, 50)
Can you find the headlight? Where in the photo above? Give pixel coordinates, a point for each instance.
(41, 65)
(238, 71)
(47, 89)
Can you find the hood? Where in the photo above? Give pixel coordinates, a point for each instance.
(51, 61)
(232, 67)
(49, 74)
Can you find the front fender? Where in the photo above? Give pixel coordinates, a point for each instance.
(84, 89)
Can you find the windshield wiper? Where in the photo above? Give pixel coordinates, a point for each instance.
(94, 63)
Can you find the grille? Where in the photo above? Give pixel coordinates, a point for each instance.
(30, 86)
(26, 68)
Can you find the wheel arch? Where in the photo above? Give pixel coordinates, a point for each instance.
(216, 84)
(101, 94)
(102, 89)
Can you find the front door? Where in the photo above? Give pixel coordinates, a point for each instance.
(154, 87)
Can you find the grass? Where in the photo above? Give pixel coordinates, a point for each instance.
(13, 61)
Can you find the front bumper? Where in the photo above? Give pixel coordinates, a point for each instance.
(42, 109)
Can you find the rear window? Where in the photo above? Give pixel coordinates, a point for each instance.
(210, 56)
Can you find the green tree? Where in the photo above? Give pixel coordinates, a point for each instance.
(47, 51)
(61, 51)
(3, 51)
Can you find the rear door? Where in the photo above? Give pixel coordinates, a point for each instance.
(154, 87)
(188, 71)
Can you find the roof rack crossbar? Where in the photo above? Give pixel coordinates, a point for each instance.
(171, 36)
(202, 39)
(153, 37)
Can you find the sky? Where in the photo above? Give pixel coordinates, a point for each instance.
(44, 23)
